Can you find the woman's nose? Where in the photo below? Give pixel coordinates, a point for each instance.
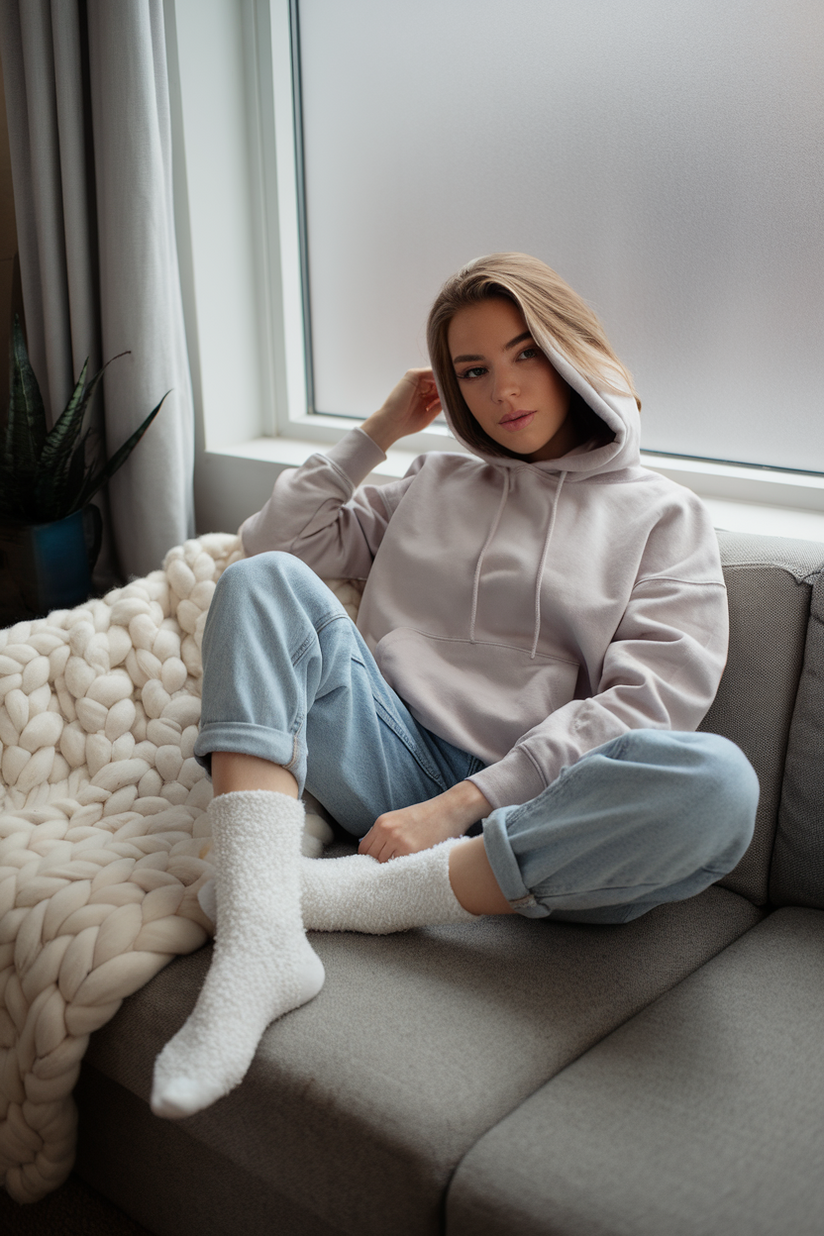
(505, 386)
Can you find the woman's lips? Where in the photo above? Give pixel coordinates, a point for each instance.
(519, 420)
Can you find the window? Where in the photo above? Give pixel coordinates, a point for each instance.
(665, 159)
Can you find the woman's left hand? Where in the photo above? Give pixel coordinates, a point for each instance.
(423, 825)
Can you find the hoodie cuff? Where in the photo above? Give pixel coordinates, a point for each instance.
(510, 782)
(356, 455)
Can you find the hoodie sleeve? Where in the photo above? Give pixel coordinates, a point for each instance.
(316, 514)
(660, 671)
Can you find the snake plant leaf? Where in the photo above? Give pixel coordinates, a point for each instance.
(60, 440)
(77, 476)
(67, 427)
(59, 452)
(94, 482)
(45, 475)
(54, 490)
(26, 428)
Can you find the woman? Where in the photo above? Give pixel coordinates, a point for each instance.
(543, 626)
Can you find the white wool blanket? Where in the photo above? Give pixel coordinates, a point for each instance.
(104, 839)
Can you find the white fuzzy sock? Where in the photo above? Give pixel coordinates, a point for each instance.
(357, 893)
(263, 965)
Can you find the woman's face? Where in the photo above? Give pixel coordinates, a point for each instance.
(509, 385)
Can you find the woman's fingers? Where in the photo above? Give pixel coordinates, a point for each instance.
(410, 829)
(411, 405)
(385, 838)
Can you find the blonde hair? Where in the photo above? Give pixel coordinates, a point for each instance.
(556, 317)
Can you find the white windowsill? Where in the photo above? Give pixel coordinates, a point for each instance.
(740, 499)
(766, 520)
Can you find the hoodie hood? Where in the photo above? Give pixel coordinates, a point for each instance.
(618, 412)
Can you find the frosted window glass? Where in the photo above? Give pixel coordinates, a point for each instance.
(666, 159)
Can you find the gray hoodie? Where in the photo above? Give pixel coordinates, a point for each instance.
(525, 612)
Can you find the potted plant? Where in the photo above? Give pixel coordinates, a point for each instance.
(49, 531)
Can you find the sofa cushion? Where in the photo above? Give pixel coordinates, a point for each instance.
(797, 876)
(359, 1105)
(769, 585)
(703, 1114)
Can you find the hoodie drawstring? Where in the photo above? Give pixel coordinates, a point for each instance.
(487, 543)
(540, 576)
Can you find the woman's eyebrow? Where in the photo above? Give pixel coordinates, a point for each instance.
(527, 334)
(460, 360)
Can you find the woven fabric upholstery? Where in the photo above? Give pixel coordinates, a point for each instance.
(178, 1187)
(769, 582)
(359, 1105)
(797, 876)
(702, 1116)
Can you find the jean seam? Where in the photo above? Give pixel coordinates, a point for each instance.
(324, 622)
(408, 742)
(602, 888)
(296, 733)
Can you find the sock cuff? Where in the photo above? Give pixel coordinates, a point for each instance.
(260, 807)
(262, 822)
(250, 798)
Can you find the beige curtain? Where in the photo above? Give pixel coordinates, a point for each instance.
(88, 109)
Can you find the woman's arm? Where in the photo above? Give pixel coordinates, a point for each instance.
(315, 512)
(425, 824)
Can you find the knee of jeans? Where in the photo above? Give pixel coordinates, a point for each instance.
(238, 575)
(733, 792)
(240, 582)
(713, 813)
(263, 572)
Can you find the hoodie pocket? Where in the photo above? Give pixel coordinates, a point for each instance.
(481, 697)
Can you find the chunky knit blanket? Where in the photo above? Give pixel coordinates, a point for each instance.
(104, 840)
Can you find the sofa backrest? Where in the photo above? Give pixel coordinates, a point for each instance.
(797, 874)
(769, 583)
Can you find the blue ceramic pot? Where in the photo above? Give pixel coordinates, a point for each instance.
(47, 566)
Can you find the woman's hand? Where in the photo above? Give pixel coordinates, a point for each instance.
(409, 408)
(423, 825)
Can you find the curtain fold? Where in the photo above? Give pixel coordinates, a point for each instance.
(90, 134)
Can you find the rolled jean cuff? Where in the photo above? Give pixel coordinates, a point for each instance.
(505, 867)
(246, 739)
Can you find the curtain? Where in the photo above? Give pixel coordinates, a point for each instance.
(89, 128)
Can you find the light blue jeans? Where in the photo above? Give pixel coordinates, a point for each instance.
(650, 817)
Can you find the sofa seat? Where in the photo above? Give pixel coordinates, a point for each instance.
(703, 1114)
(360, 1105)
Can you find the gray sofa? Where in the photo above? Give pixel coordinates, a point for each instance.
(656, 1079)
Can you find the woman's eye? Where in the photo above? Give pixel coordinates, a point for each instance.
(476, 372)
(529, 353)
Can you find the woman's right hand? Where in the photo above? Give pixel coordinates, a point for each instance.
(409, 408)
